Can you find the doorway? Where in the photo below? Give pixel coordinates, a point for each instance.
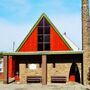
(74, 71)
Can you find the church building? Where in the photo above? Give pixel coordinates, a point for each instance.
(46, 56)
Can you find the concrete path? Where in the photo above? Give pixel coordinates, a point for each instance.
(43, 87)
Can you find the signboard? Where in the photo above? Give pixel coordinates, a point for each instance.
(32, 66)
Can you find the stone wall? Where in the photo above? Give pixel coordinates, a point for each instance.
(25, 71)
(60, 69)
(86, 59)
(22, 73)
(37, 72)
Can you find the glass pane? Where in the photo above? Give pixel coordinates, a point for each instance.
(46, 22)
(40, 47)
(40, 38)
(47, 38)
(40, 30)
(47, 30)
(47, 46)
(41, 23)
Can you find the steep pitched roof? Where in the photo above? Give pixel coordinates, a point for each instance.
(45, 16)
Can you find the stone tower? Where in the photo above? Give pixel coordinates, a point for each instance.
(85, 45)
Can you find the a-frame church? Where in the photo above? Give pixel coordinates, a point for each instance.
(44, 56)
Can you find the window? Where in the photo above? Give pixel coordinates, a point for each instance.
(41, 23)
(1, 70)
(43, 35)
(47, 30)
(40, 38)
(40, 30)
(40, 46)
(1, 65)
(47, 38)
(47, 46)
(46, 23)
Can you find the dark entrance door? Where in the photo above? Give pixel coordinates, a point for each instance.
(74, 71)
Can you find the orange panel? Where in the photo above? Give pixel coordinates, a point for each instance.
(72, 78)
(10, 67)
(31, 43)
(13, 67)
(56, 42)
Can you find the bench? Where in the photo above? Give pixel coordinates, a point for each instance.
(34, 79)
(58, 79)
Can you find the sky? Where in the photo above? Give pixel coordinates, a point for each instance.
(18, 16)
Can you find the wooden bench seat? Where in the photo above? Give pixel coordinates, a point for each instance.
(58, 79)
(34, 79)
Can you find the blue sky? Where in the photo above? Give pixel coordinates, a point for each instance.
(18, 16)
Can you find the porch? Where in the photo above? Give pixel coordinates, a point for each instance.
(46, 64)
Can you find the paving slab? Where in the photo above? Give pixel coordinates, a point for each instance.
(42, 87)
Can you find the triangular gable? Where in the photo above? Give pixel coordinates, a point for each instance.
(56, 30)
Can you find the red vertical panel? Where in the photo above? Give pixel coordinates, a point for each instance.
(31, 42)
(10, 66)
(56, 42)
(13, 68)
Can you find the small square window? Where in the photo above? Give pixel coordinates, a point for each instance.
(40, 30)
(1, 69)
(47, 46)
(47, 38)
(41, 23)
(40, 47)
(40, 38)
(46, 22)
(47, 30)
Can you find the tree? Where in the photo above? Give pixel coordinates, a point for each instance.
(1, 54)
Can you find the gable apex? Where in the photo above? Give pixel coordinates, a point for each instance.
(32, 29)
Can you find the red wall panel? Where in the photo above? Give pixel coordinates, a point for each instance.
(31, 43)
(56, 42)
(10, 67)
(13, 67)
